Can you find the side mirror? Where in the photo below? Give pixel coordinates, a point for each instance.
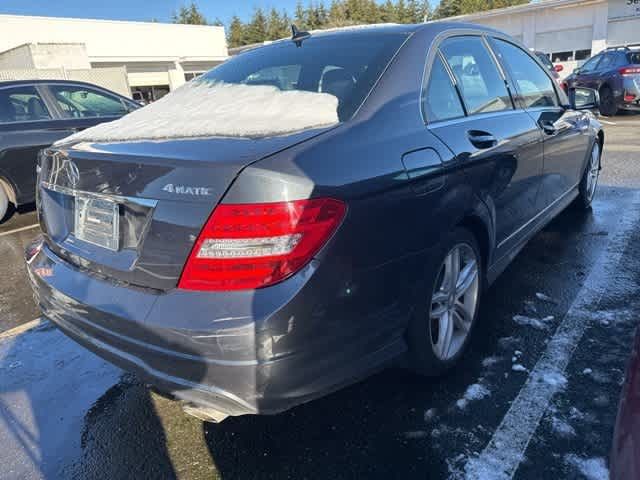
(581, 98)
(558, 68)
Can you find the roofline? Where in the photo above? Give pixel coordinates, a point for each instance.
(524, 8)
(104, 20)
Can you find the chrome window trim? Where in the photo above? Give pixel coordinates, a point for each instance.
(434, 49)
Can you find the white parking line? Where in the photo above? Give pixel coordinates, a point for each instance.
(505, 451)
(21, 229)
(21, 328)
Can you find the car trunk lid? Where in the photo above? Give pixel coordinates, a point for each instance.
(163, 191)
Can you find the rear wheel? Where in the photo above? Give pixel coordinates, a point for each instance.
(589, 181)
(445, 316)
(608, 106)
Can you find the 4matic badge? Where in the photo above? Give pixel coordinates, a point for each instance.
(186, 190)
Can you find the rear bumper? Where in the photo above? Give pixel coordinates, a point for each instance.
(237, 352)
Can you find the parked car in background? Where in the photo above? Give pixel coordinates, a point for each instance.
(309, 211)
(625, 454)
(554, 69)
(615, 73)
(36, 113)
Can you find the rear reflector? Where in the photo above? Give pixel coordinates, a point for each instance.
(250, 246)
(629, 70)
(629, 97)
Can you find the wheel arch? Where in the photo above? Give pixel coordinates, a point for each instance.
(482, 232)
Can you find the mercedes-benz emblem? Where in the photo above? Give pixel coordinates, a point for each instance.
(73, 174)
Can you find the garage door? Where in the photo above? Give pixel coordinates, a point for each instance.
(564, 40)
(623, 32)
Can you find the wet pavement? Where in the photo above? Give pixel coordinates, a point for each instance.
(64, 413)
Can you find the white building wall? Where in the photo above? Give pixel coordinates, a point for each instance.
(107, 39)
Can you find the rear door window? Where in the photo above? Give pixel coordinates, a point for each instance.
(532, 83)
(591, 64)
(481, 85)
(440, 100)
(22, 104)
(79, 101)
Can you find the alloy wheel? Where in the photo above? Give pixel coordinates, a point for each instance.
(454, 301)
(593, 172)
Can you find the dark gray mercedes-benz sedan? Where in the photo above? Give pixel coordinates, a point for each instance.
(309, 211)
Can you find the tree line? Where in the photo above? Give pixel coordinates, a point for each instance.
(273, 24)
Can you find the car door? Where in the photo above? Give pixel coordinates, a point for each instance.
(499, 146)
(563, 129)
(585, 76)
(83, 106)
(27, 125)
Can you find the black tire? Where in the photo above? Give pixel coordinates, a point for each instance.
(587, 191)
(608, 106)
(423, 357)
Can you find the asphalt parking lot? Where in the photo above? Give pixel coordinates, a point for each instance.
(536, 396)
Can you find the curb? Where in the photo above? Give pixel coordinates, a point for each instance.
(21, 328)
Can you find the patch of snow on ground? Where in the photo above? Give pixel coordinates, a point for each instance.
(518, 368)
(490, 361)
(474, 392)
(591, 468)
(525, 321)
(430, 414)
(204, 109)
(545, 298)
(554, 378)
(587, 371)
(562, 428)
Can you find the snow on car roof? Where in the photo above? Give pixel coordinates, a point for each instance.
(204, 109)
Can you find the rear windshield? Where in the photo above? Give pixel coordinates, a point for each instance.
(344, 65)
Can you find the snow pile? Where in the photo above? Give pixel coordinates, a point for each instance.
(474, 392)
(518, 367)
(203, 109)
(562, 428)
(590, 468)
(525, 321)
(545, 298)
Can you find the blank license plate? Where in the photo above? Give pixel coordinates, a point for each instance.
(96, 221)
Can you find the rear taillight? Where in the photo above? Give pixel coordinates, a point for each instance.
(250, 246)
(629, 70)
(629, 97)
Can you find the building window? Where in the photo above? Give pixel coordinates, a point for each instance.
(582, 54)
(146, 95)
(188, 76)
(562, 56)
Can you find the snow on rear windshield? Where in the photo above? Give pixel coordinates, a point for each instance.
(273, 90)
(204, 109)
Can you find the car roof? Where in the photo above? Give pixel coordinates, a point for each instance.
(39, 81)
(433, 27)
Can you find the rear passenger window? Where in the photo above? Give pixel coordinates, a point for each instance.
(440, 101)
(478, 78)
(533, 84)
(22, 104)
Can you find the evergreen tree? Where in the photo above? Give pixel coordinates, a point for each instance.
(256, 30)
(189, 15)
(236, 32)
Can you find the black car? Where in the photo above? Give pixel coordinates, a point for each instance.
(309, 211)
(36, 113)
(615, 73)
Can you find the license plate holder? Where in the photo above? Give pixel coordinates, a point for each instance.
(96, 221)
